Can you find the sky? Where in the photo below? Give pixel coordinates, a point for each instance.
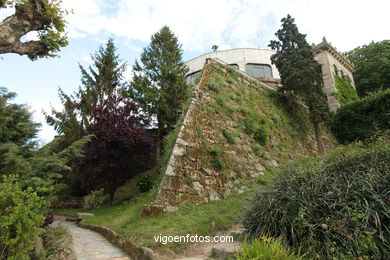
(198, 25)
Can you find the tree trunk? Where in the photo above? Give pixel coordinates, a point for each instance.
(317, 132)
(112, 197)
(158, 145)
(27, 18)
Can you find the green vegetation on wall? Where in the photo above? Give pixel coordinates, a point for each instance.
(345, 93)
(364, 118)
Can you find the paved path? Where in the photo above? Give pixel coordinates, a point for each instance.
(89, 245)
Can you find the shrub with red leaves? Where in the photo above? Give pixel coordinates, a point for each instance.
(120, 136)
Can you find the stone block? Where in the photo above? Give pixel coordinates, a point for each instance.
(151, 210)
(81, 216)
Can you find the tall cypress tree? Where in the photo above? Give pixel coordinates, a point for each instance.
(159, 84)
(300, 73)
(99, 81)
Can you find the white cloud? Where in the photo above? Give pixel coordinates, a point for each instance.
(231, 23)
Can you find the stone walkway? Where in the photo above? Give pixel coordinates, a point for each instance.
(89, 245)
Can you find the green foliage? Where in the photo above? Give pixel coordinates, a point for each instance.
(300, 73)
(145, 183)
(276, 118)
(57, 242)
(261, 135)
(99, 81)
(333, 208)
(214, 84)
(94, 199)
(159, 83)
(37, 168)
(217, 158)
(20, 218)
(265, 248)
(372, 66)
(16, 123)
(364, 118)
(230, 137)
(41, 168)
(255, 125)
(345, 93)
(51, 18)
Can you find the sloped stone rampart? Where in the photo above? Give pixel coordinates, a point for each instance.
(191, 173)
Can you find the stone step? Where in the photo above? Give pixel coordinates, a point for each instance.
(225, 251)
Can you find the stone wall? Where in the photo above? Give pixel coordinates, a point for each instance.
(191, 175)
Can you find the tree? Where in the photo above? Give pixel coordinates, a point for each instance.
(119, 129)
(301, 75)
(16, 125)
(99, 81)
(42, 16)
(159, 84)
(18, 154)
(372, 67)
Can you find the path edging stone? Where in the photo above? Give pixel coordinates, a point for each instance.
(125, 244)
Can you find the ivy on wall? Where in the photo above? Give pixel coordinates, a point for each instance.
(345, 93)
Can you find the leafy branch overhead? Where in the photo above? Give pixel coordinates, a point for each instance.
(45, 17)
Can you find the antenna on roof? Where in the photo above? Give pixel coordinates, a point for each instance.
(258, 40)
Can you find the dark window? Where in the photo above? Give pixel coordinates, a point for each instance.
(258, 70)
(341, 73)
(191, 79)
(235, 66)
(336, 71)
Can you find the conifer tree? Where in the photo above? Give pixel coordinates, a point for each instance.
(99, 81)
(16, 123)
(301, 75)
(159, 84)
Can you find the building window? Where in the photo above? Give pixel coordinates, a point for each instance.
(341, 73)
(336, 71)
(234, 66)
(258, 70)
(191, 78)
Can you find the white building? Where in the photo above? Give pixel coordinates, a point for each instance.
(254, 62)
(257, 63)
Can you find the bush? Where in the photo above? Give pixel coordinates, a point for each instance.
(214, 85)
(255, 125)
(145, 183)
(57, 242)
(261, 135)
(217, 159)
(276, 118)
(265, 248)
(20, 219)
(230, 137)
(94, 200)
(362, 119)
(337, 207)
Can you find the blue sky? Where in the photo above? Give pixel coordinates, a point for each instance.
(198, 25)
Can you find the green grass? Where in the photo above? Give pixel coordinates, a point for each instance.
(203, 219)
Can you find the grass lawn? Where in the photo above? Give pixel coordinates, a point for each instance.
(203, 219)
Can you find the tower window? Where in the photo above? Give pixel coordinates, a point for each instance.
(258, 70)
